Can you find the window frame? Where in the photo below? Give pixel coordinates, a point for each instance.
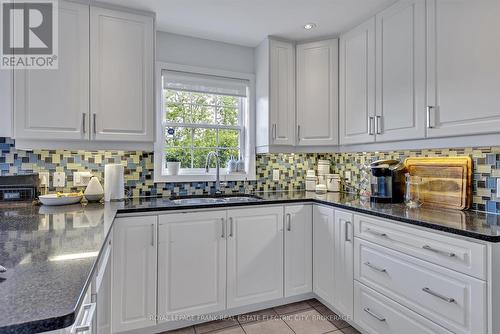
(247, 137)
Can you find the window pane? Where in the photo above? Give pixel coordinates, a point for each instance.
(203, 114)
(200, 158)
(205, 99)
(178, 137)
(183, 155)
(205, 138)
(176, 106)
(225, 155)
(229, 138)
(228, 101)
(228, 115)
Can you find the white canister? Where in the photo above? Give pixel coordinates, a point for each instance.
(311, 173)
(310, 183)
(333, 182)
(322, 179)
(323, 167)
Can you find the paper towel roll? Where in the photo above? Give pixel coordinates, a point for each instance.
(114, 182)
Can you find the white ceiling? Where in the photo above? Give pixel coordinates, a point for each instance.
(248, 22)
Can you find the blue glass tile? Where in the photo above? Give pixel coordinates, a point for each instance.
(491, 183)
(491, 206)
(491, 159)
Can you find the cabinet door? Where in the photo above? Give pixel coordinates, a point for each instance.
(134, 273)
(323, 252)
(103, 293)
(54, 104)
(317, 93)
(282, 93)
(401, 79)
(344, 263)
(191, 264)
(298, 250)
(254, 255)
(122, 76)
(463, 67)
(6, 112)
(357, 84)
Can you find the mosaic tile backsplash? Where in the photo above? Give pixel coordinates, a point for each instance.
(139, 170)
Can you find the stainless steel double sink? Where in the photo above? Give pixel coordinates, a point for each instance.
(204, 200)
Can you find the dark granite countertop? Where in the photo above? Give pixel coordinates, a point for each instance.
(42, 290)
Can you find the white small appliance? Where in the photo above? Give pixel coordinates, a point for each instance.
(114, 182)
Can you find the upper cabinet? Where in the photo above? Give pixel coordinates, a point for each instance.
(6, 113)
(54, 103)
(275, 93)
(317, 93)
(463, 67)
(121, 76)
(400, 72)
(103, 88)
(357, 84)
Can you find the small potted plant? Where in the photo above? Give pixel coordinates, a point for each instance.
(173, 165)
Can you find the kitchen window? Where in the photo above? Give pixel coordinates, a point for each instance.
(202, 111)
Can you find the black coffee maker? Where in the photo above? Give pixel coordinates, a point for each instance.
(387, 181)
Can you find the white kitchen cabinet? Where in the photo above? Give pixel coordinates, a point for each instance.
(191, 264)
(357, 85)
(54, 104)
(298, 249)
(134, 273)
(317, 93)
(121, 58)
(275, 94)
(6, 96)
(400, 71)
(323, 252)
(463, 68)
(344, 263)
(254, 255)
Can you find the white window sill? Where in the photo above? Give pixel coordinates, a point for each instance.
(187, 177)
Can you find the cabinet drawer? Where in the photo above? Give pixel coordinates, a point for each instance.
(380, 315)
(452, 300)
(457, 254)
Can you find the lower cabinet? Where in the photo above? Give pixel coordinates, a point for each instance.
(254, 255)
(191, 264)
(344, 263)
(323, 252)
(134, 273)
(298, 249)
(102, 292)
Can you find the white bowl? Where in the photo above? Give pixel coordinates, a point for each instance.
(53, 199)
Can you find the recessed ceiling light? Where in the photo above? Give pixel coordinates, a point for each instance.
(309, 26)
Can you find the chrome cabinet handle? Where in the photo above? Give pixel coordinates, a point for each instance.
(94, 116)
(373, 314)
(223, 228)
(434, 250)
(2, 269)
(231, 227)
(84, 123)
(298, 132)
(374, 267)
(88, 315)
(274, 131)
(438, 295)
(378, 234)
(378, 125)
(289, 222)
(430, 123)
(346, 236)
(370, 125)
(153, 235)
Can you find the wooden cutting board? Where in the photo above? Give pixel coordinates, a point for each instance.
(446, 182)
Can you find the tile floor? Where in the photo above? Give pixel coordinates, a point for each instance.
(307, 317)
